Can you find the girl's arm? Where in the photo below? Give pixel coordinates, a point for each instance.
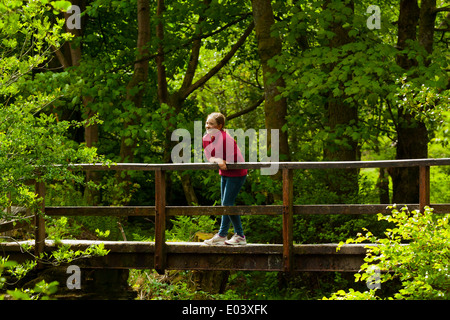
(210, 153)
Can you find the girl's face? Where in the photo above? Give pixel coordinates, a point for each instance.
(211, 125)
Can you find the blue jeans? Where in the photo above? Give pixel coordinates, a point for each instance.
(229, 189)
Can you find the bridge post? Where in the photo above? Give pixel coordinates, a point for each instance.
(160, 221)
(39, 222)
(424, 187)
(288, 210)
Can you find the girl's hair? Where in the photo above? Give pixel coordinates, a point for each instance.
(219, 118)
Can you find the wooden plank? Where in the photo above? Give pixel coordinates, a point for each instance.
(16, 224)
(125, 211)
(345, 209)
(288, 221)
(39, 222)
(222, 210)
(316, 209)
(196, 256)
(171, 211)
(424, 187)
(258, 165)
(160, 221)
(365, 164)
(441, 208)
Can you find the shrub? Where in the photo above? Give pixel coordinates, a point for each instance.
(416, 252)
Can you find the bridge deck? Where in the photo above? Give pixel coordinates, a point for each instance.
(197, 256)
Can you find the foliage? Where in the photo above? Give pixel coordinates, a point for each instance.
(31, 138)
(66, 255)
(151, 286)
(42, 290)
(58, 229)
(185, 227)
(415, 251)
(363, 72)
(13, 268)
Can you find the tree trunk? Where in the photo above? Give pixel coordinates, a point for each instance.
(341, 114)
(139, 78)
(268, 47)
(140, 75)
(69, 56)
(412, 135)
(427, 21)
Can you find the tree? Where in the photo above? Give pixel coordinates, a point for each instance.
(269, 46)
(412, 134)
(348, 94)
(69, 55)
(136, 86)
(135, 90)
(31, 137)
(416, 27)
(319, 66)
(176, 98)
(341, 112)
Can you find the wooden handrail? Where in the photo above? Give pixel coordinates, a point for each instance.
(259, 165)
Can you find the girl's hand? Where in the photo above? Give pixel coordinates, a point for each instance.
(222, 163)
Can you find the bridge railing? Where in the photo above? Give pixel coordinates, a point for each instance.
(287, 210)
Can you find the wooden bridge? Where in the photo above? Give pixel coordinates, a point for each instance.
(162, 255)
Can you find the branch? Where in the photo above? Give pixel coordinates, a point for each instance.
(193, 59)
(192, 65)
(161, 53)
(204, 36)
(446, 8)
(220, 65)
(194, 38)
(257, 85)
(161, 69)
(251, 108)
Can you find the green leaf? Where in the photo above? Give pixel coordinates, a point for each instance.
(61, 5)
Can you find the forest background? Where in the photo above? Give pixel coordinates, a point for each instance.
(339, 81)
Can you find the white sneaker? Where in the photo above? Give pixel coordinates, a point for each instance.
(216, 240)
(236, 240)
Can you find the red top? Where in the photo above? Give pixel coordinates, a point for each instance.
(225, 148)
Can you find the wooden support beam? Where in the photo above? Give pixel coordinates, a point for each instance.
(16, 224)
(160, 221)
(274, 210)
(424, 187)
(288, 212)
(39, 222)
(258, 165)
(196, 256)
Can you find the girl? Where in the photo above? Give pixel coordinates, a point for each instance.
(221, 148)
